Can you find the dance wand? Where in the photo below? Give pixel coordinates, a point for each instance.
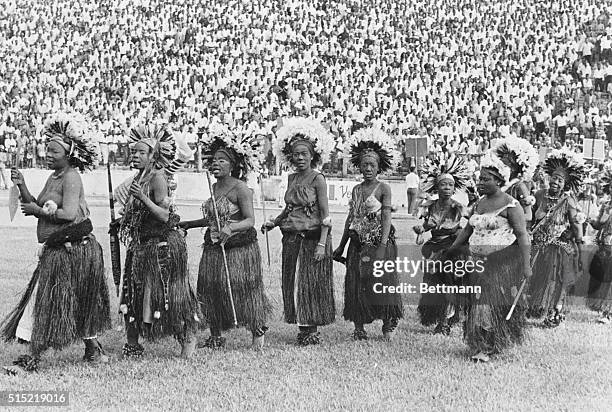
(115, 245)
(520, 291)
(114, 235)
(263, 205)
(227, 276)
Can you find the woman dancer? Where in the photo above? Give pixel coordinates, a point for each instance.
(67, 297)
(557, 237)
(600, 283)
(372, 237)
(442, 217)
(307, 277)
(232, 157)
(522, 159)
(499, 245)
(157, 299)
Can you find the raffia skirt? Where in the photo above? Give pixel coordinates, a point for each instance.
(485, 327)
(599, 296)
(308, 285)
(66, 299)
(554, 272)
(247, 288)
(432, 306)
(361, 304)
(159, 297)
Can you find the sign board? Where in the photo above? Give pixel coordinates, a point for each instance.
(594, 149)
(544, 151)
(416, 147)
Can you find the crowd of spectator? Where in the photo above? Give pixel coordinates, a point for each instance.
(459, 72)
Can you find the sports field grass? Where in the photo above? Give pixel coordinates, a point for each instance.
(569, 368)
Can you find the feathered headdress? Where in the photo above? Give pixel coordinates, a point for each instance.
(159, 139)
(435, 169)
(244, 149)
(72, 132)
(569, 163)
(372, 140)
(491, 161)
(519, 155)
(184, 153)
(298, 129)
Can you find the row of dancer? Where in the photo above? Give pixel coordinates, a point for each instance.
(519, 231)
(155, 295)
(157, 299)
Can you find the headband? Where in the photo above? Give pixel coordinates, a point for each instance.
(495, 173)
(67, 147)
(305, 142)
(445, 176)
(371, 153)
(228, 153)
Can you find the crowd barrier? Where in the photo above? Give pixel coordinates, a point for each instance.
(192, 186)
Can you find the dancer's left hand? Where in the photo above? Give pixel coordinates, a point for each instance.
(527, 271)
(319, 253)
(30, 209)
(225, 234)
(136, 190)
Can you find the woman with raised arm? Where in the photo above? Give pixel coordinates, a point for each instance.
(522, 159)
(442, 217)
(231, 158)
(371, 234)
(500, 250)
(157, 298)
(557, 237)
(307, 266)
(67, 298)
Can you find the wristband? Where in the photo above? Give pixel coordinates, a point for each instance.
(321, 244)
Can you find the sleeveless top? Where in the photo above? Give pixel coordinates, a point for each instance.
(228, 213)
(54, 191)
(302, 205)
(139, 224)
(366, 217)
(553, 225)
(491, 232)
(443, 223)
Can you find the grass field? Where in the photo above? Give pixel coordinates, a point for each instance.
(569, 368)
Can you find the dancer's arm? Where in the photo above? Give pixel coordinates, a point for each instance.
(159, 191)
(516, 218)
(19, 181)
(321, 188)
(385, 214)
(245, 203)
(347, 223)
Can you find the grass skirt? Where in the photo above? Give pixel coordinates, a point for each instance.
(308, 286)
(250, 302)
(599, 296)
(148, 266)
(72, 300)
(432, 306)
(554, 272)
(486, 328)
(361, 304)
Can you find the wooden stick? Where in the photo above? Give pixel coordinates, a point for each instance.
(520, 291)
(227, 275)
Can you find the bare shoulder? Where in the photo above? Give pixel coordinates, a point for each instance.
(385, 188)
(319, 180)
(72, 177)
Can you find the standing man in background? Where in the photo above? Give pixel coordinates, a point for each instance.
(412, 189)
